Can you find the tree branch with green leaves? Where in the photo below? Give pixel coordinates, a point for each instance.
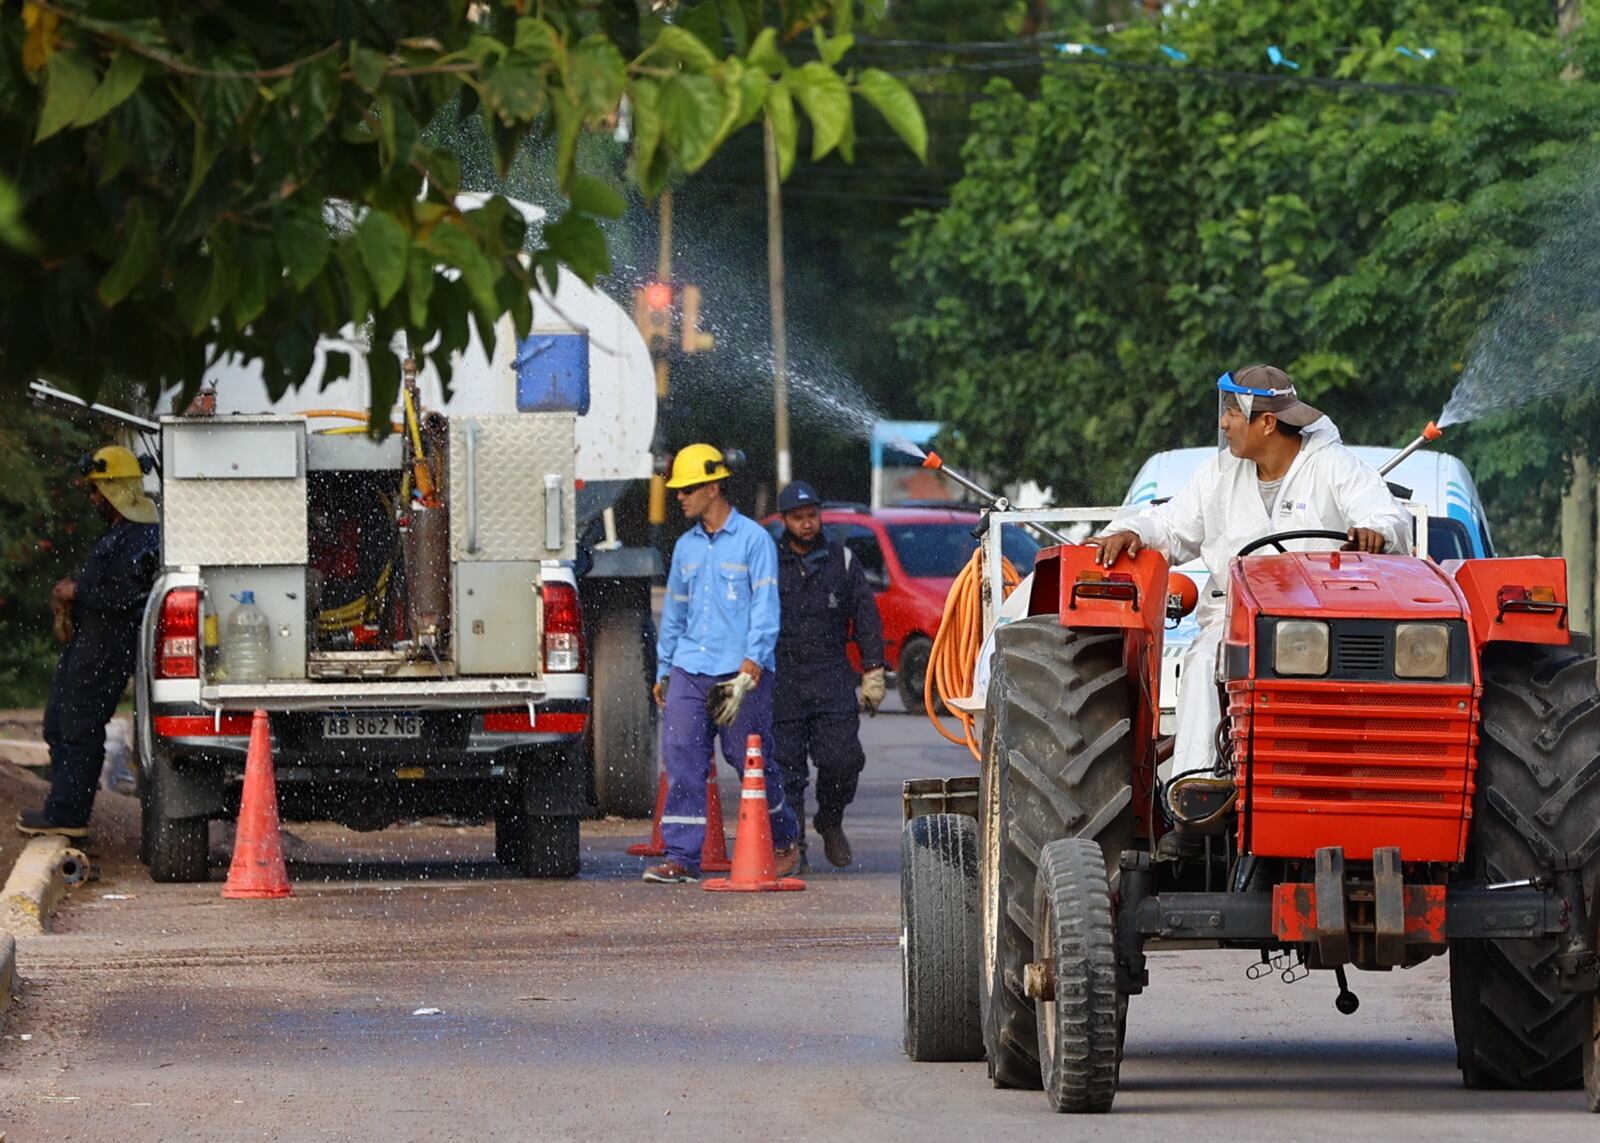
(191, 181)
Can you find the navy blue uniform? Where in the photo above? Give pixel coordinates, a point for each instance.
(825, 602)
(97, 663)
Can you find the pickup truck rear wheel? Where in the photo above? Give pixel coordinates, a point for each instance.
(175, 849)
(543, 845)
(552, 847)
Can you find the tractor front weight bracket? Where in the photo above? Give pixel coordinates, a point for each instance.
(1577, 965)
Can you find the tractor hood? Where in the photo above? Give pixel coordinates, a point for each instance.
(1347, 584)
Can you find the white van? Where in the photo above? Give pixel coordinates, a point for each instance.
(1457, 526)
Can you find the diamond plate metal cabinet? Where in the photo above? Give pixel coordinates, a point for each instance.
(226, 516)
(496, 630)
(500, 499)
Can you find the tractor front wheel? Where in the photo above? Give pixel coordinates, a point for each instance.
(1591, 1056)
(1538, 799)
(1080, 1025)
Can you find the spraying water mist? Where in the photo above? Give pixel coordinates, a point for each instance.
(1544, 338)
(823, 397)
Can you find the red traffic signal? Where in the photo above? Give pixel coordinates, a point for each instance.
(658, 295)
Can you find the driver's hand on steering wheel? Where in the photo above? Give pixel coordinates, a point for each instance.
(1113, 545)
(1365, 540)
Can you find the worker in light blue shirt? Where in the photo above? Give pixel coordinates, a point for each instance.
(716, 648)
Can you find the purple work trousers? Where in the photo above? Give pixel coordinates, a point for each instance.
(687, 742)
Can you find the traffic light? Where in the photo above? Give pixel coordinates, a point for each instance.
(693, 340)
(652, 313)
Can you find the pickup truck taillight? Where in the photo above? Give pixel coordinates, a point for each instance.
(178, 635)
(563, 629)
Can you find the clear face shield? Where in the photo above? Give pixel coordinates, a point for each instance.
(1242, 397)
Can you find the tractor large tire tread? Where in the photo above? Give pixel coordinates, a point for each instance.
(941, 932)
(1080, 1042)
(1538, 800)
(1061, 706)
(623, 716)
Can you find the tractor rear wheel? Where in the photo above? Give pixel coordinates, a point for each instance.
(1591, 1056)
(1080, 1026)
(1060, 766)
(939, 938)
(1538, 798)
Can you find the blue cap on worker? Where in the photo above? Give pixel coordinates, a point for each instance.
(797, 495)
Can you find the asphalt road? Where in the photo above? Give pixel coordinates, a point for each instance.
(606, 1008)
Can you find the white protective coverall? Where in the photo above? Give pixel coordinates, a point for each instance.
(1220, 511)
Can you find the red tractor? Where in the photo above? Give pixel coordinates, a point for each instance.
(1408, 766)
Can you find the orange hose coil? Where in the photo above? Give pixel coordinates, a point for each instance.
(952, 664)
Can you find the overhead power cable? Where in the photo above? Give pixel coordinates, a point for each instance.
(1181, 74)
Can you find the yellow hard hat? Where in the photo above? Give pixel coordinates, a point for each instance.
(116, 472)
(697, 464)
(113, 462)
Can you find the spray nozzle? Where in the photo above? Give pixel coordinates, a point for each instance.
(1431, 433)
(932, 460)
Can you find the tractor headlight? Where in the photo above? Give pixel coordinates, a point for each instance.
(1421, 651)
(1300, 647)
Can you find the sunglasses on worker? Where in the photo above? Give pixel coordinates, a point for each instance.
(1227, 384)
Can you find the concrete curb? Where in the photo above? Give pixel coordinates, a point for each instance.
(8, 974)
(35, 887)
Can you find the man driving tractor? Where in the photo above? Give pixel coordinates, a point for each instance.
(1284, 470)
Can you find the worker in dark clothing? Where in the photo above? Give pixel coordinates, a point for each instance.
(105, 604)
(825, 602)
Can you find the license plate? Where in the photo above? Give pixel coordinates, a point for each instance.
(373, 724)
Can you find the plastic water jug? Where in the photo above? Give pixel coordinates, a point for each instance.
(247, 642)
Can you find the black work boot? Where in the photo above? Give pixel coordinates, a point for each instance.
(834, 844)
(35, 823)
(1175, 846)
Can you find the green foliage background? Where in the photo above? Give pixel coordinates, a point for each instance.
(1123, 237)
(46, 530)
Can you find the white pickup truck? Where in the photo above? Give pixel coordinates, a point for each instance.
(416, 667)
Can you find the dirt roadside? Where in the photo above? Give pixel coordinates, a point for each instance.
(113, 830)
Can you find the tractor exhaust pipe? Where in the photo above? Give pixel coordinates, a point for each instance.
(1432, 433)
(991, 500)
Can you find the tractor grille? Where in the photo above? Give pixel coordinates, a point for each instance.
(1329, 763)
(1360, 652)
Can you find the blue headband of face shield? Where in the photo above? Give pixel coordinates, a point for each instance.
(1226, 384)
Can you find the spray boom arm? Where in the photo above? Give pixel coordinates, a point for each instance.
(1431, 433)
(991, 500)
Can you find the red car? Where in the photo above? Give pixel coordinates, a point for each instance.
(911, 556)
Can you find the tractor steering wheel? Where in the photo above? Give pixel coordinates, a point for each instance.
(1277, 540)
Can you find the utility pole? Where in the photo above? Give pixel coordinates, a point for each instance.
(1580, 532)
(780, 344)
(658, 352)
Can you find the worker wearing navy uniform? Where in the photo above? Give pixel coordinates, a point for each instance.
(826, 602)
(105, 603)
(715, 650)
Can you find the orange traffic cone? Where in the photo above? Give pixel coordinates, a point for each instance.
(714, 855)
(257, 870)
(655, 847)
(754, 867)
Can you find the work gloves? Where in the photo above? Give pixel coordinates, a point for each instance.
(724, 700)
(873, 687)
